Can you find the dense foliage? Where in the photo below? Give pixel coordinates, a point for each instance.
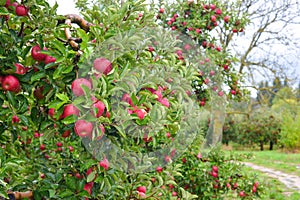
(105, 113)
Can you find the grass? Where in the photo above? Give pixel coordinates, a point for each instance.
(286, 162)
(274, 189)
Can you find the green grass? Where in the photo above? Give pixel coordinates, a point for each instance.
(285, 162)
(274, 189)
(277, 160)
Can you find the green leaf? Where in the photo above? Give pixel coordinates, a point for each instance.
(63, 97)
(3, 11)
(70, 119)
(91, 176)
(37, 76)
(59, 46)
(12, 99)
(56, 104)
(24, 120)
(66, 193)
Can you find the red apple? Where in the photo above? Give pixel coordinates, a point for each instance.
(83, 128)
(70, 109)
(21, 10)
(212, 6)
(59, 144)
(49, 59)
(213, 18)
(214, 174)
(51, 113)
(11, 83)
(159, 169)
(141, 113)
(215, 168)
(226, 19)
(102, 65)
(218, 11)
(100, 107)
(71, 149)
(8, 3)
(242, 194)
(142, 189)
(174, 194)
(36, 53)
(164, 102)
(66, 133)
(20, 69)
(161, 10)
(42, 147)
(76, 86)
(104, 163)
(88, 187)
(42, 176)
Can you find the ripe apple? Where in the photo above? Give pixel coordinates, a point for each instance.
(159, 169)
(66, 133)
(220, 93)
(21, 10)
(161, 10)
(11, 83)
(164, 102)
(104, 163)
(70, 109)
(218, 11)
(242, 194)
(212, 6)
(214, 174)
(215, 168)
(213, 18)
(59, 144)
(42, 147)
(174, 194)
(83, 128)
(15, 119)
(20, 69)
(49, 59)
(8, 3)
(226, 19)
(141, 113)
(254, 189)
(88, 187)
(76, 86)
(42, 176)
(71, 149)
(36, 53)
(100, 107)
(51, 113)
(102, 65)
(142, 189)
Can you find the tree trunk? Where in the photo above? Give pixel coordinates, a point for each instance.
(271, 145)
(261, 145)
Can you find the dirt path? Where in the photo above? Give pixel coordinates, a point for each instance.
(291, 181)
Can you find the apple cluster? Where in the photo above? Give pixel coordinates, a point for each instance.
(20, 9)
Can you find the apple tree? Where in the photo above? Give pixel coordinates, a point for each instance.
(102, 109)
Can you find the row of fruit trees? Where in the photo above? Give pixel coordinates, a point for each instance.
(109, 104)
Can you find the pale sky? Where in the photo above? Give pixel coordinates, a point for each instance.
(64, 6)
